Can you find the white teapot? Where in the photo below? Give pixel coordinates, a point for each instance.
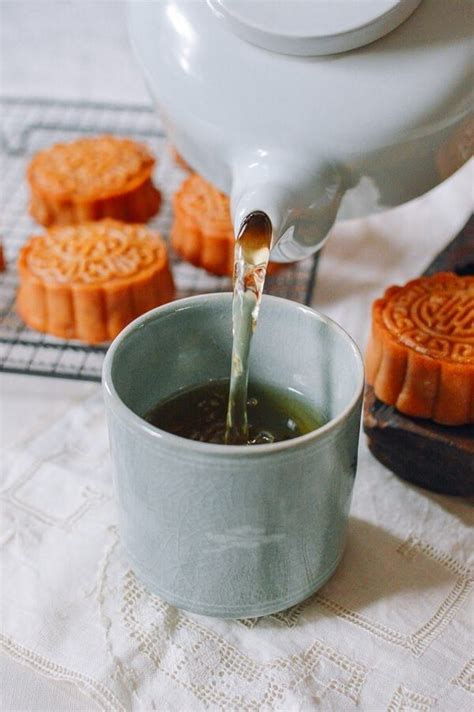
(287, 104)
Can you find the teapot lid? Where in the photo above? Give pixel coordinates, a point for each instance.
(312, 27)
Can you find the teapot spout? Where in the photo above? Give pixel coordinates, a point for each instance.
(300, 201)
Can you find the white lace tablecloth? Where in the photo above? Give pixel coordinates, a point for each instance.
(392, 630)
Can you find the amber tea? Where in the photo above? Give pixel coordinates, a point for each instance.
(252, 250)
(200, 414)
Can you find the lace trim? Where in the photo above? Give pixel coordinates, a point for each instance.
(405, 700)
(103, 697)
(220, 674)
(418, 641)
(465, 679)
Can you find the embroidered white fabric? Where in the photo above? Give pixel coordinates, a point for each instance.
(390, 631)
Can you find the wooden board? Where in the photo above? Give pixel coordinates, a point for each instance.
(438, 457)
(434, 456)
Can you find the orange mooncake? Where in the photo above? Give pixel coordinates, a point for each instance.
(202, 231)
(88, 281)
(420, 356)
(93, 178)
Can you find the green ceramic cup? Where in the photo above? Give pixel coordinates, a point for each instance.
(233, 531)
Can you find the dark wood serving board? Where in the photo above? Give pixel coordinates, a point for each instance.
(438, 457)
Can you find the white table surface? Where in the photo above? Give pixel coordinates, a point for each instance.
(90, 39)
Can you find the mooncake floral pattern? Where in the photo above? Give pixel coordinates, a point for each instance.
(90, 167)
(93, 252)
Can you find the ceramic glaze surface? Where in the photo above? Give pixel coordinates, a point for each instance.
(233, 531)
(289, 135)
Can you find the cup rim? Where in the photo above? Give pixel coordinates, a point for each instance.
(137, 422)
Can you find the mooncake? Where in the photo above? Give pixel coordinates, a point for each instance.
(93, 178)
(202, 231)
(88, 281)
(420, 356)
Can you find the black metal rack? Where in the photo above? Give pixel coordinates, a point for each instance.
(31, 124)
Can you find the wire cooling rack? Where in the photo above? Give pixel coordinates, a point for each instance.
(29, 125)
